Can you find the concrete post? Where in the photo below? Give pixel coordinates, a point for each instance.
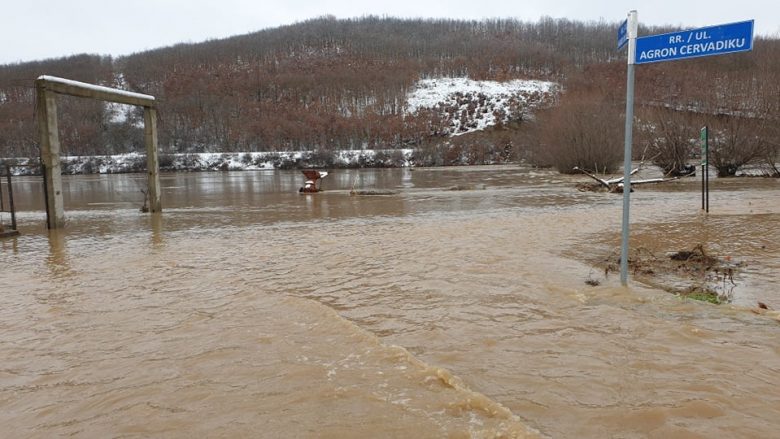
(50, 154)
(152, 161)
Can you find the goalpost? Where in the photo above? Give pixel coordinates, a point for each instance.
(47, 88)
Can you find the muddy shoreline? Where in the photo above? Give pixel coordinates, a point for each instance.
(726, 271)
(694, 273)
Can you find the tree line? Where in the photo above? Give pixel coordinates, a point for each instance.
(327, 84)
(737, 96)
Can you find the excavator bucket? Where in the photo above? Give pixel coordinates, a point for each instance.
(313, 180)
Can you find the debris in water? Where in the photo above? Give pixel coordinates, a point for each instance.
(691, 273)
(615, 185)
(592, 282)
(145, 207)
(467, 187)
(372, 192)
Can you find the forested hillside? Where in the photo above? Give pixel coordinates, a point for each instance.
(343, 84)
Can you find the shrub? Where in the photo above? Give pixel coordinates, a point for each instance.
(584, 132)
(165, 161)
(671, 140)
(734, 142)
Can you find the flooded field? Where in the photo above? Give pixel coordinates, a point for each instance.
(248, 310)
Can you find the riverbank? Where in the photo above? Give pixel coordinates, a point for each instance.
(237, 161)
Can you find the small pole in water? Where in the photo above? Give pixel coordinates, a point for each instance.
(704, 135)
(11, 197)
(46, 194)
(2, 205)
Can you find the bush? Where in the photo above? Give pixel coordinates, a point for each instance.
(321, 158)
(165, 161)
(584, 132)
(670, 137)
(734, 142)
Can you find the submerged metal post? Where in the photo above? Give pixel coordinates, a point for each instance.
(10, 197)
(2, 205)
(632, 33)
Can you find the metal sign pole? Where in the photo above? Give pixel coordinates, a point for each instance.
(703, 165)
(632, 34)
(2, 205)
(707, 167)
(706, 41)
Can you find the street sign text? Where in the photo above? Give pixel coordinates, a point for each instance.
(705, 41)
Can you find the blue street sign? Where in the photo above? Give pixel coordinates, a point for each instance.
(705, 41)
(622, 35)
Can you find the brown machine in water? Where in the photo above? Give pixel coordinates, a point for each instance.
(313, 181)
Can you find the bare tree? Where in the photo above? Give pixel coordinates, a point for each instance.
(769, 133)
(328, 83)
(734, 142)
(582, 132)
(670, 137)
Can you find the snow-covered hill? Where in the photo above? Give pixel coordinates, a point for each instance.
(467, 105)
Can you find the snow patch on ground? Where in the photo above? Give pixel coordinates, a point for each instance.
(467, 105)
(239, 161)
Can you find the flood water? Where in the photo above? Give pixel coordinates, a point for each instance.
(248, 310)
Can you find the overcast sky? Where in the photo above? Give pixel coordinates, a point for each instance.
(39, 29)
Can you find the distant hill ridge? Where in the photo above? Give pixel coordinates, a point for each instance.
(329, 84)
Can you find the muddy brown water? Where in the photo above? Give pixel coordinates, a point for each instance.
(248, 310)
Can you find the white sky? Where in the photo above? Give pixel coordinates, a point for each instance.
(39, 29)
